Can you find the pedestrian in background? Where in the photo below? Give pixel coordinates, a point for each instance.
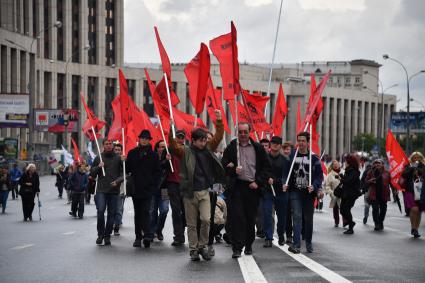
(286, 151)
(350, 190)
(332, 181)
(15, 175)
(121, 198)
(61, 178)
(364, 168)
(108, 188)
(5, 186)
(78, 183)
(29, 188)
(143, 165)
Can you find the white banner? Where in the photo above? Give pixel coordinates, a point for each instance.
(14, 110)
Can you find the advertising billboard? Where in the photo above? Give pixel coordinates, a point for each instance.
(53, 120)
(399, 122)
(14, 110)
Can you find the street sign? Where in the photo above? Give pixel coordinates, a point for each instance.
(52, 120)
(398, 123)
(14, 110)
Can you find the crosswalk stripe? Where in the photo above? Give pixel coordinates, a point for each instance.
(322, 271)
(22, 247)
(250, 270)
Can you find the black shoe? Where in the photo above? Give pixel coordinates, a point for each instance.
(30, 218)
(176, 243)
(147, 243)
(416, 233)
(377, 228)
(137, 243)
(194, 256)
(227, 239)
(25, 220)
(80, 216)
(261, 234)
(236, 254)
(117, 230)
(349, 232)
(107, 241)
(281, 241)
(72, 214)
(211, 251)
(294, 250)
(248, 250)
(160, 236)
(268, 244)
(381, 226)
(336, 225)
(288, 240)
(99, 240)
(309, 248)
(364, 220)
(204, 254)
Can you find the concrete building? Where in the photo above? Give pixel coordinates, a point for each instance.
(55, 62)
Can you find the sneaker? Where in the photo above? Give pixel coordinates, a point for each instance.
(176, 243)
(236, 254)
(194, 256)
(99, 240)
(160, 236)
(211, 251)
(268, 244)
(294, 250)
(204, 254)
(281, 240)
(137, 243)
(248, 251)
(147, 243)
(107, 241)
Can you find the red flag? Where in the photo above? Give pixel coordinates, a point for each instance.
(76, 151)
(225, 50)
(396, 158)
(280, 112)
(124, 101)
(298, 126)
(92, 121)
(186, 122)
(213, 101)
(319, 108)
(197, 73)
(166, 66)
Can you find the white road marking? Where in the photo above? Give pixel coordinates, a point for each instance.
(322, 271)
(69, 233)
(22, 247)
(250, 270)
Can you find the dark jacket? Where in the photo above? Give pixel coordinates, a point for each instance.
(79, 182)
(113, 170)
(143, 164)
(33, 188)
(279, 164)
(262, 166)
(316, 171)
(351, 184)
(61, 177)
(5, 181)
(374, 179)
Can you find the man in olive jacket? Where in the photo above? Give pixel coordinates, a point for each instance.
(108, 189)
(199, 170)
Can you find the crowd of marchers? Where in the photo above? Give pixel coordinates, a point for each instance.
(232, 195)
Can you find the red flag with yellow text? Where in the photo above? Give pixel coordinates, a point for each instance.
(397, 159)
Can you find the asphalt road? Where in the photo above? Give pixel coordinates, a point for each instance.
(62, 249)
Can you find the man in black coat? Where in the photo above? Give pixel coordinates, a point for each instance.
(144, 166)
(248, 171)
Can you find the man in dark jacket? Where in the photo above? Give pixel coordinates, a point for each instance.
(301, 192)
(108, 188)
(199, 170)
(248, 170)
(143, 165)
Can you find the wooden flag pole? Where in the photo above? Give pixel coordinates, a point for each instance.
(170, 106)
(165, 142)
(123, 163)
(98, 149)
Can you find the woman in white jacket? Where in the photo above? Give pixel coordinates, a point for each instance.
(332, 181)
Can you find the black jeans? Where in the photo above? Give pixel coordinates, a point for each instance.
(379, 210)
(346, 205)
(60, 189)
(289, 226)
(15, 190)
(244, 206)
(177, 211)
(213, 200)
(28, 204)
(77, 203)
(142, 218)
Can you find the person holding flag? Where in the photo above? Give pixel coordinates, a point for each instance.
(302, 190)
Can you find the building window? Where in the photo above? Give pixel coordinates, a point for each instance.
(75, 31)
(147, 99)
(109, 96)
(60, 91)
(109, 36)
(34, 19)
(46, 34)
(92, 32)
(59, 15)
(75, 92)
(91, 94)
(188, 103)
(347, 82)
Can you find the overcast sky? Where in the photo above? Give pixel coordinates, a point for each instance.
(310, 30)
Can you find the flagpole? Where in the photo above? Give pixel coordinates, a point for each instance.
(273, 56)
(98, 149)
(238, 154)
(293, 160)
(123, 163)
(323, 154)
(170, 106)
(196, 120)
(165, 142)
(311, 161)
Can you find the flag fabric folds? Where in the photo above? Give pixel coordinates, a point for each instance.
(213, 101)
(77, 156)
(280, 112)
(397, 159)
(92, 121)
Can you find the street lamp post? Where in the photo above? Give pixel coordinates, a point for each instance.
(65, 98)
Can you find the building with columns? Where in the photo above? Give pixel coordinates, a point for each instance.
(55, 62)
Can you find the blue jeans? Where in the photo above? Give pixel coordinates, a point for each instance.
(303, 206)
(120, 211)
(158, 203)
(281, 205)
(105, 202)
(4, 196)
